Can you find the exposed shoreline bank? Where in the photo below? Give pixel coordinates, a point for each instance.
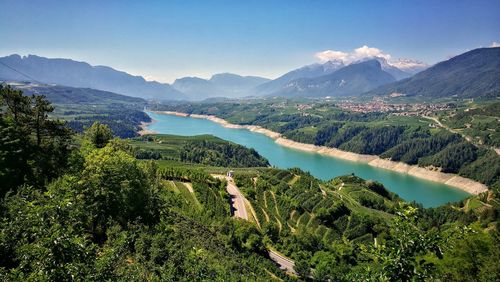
(144, 129)
(465, 184)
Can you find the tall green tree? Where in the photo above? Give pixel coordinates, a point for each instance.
(98, 134)
(33, 147)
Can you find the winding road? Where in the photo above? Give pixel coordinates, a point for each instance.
(237, 200)
(239, 211)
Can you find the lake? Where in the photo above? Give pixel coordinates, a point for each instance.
(428, 193)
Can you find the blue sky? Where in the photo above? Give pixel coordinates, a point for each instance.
(164, 40)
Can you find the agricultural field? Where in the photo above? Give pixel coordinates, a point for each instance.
(478, 121)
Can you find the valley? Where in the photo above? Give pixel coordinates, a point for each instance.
(250, 141)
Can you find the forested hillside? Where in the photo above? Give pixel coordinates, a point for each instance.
(205, 149)
(480, 122)
(472, 74)
(81, 107)
(84, 208)
(407, 139)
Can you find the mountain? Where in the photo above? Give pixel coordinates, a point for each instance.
(235, 85)
(351, 80)
(80, 74)
(219, 85)
(397, 73)
(58, 94)
(194, 87)
(473, 74)
(309, 71)
(410, 66)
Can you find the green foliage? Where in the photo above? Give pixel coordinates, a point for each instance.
(203, 149)
(108, 216)
(412, 150)
(402, 256)
(221, 154)
(472, 255)
(405, 139)
(374, 141)
(98, 134)
(485, 169)
(472, 74)
(33, 148)
(453, 157)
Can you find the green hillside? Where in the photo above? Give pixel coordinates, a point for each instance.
(413, 140)
(81, 107)
(473, 74)
(84, 208)
(204, 149)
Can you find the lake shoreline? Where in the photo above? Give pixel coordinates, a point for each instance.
(144, 128)
(465, 184)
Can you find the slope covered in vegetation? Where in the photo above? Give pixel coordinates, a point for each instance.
(89, 210)
(399, 138)
(204, 149)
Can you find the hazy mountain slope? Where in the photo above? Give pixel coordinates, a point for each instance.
(81, 74)
(196, 88)
(309, 71)
(58, 94)
(410, 66)
(397, 73)
(473, 74)
(351, 80)
(234, 85)
(219, 85)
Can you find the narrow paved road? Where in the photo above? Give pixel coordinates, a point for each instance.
(283, 262)
(468, 138)
(240, 211)
(237, 200)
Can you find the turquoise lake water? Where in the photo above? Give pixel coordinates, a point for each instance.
(428, 193)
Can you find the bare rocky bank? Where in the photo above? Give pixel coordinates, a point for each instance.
(468, 185)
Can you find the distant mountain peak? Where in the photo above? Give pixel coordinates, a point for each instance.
(409, 65)
(72, 73)
(219, 85)
(350, 80)
(472, 74)
(333, 65)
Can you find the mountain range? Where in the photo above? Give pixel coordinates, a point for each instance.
(308, 71)
(80, 74)
(351, 80)
(219, 85)
(472, 74)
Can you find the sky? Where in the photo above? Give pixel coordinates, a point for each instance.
(165, 40)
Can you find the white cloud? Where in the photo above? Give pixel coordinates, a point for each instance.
(495, 44)
(356, 55)
(329, 55)
(368, 52)
(364, 52)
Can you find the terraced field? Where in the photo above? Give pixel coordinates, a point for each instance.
(296, 202)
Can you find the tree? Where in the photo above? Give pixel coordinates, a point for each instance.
(98, 134)
(403, 256)
(33, 147)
